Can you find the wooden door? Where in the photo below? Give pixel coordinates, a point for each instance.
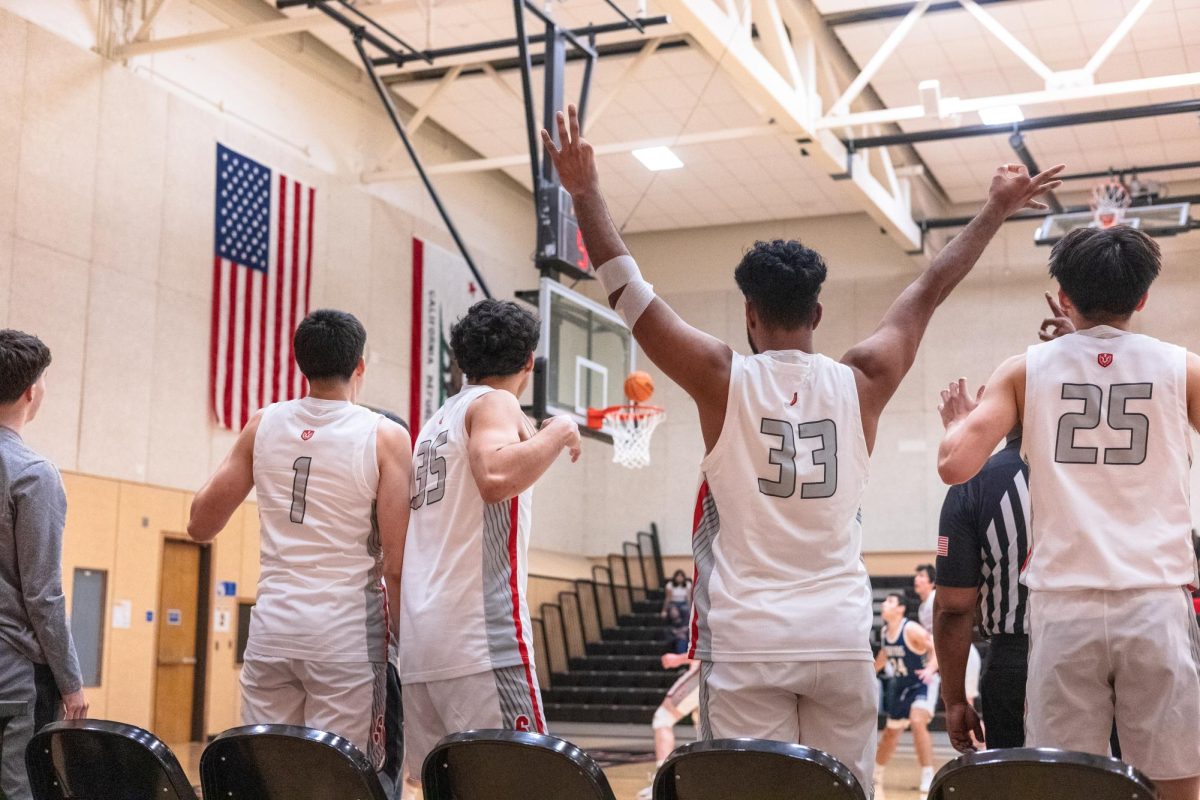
(178, 610)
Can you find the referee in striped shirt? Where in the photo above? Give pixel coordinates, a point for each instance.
(982, 545)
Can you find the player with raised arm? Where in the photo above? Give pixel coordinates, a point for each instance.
(466, 642)
(782, 604)
(331, 479)
(1106, 416)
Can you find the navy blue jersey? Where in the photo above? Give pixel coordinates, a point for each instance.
(904, 660)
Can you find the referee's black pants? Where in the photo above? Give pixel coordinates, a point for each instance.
(1002, 690)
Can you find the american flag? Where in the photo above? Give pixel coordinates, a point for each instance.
(262, 278)
(943, 546)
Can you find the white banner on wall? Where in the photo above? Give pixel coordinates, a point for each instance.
(443, 290)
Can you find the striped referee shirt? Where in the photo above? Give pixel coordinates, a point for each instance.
(983, 542)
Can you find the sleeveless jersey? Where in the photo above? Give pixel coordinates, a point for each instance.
(1107, 440)
(925, 613)
(903, 659)
(320, 596)
(777, 540)
(462, 608)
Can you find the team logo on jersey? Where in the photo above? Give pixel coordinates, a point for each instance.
(795, 397)
(306, 435)
(521, 723)
(1104, 359)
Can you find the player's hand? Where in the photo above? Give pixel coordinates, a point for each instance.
(927, 675)
(964, 727)
(573, 157)
(75, 705)
(956, 402)
(568, 430)
(1057, 324)
(1013, 190)
(673, 660)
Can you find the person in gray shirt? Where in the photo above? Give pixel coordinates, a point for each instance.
(38, 665)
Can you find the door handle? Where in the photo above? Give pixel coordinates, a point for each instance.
(181, 662)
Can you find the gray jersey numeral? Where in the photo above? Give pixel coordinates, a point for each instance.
(301, 468)
(784, 457)
(1119, 419)
(427, 462)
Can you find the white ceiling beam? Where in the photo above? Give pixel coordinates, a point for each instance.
(422, 113)
(763, 85)
(994, 26)
(884, 52)
(774, 40)
(254, 30)
(497, 79)
(521, 159)
(957, 105)
(1116, 37)
(143, 32)
(595, 111)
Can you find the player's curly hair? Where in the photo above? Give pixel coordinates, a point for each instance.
(782, 280)
(23, 359)
(1105, 272)
(494, 338)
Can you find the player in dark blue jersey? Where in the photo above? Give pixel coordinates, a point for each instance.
(905, 645)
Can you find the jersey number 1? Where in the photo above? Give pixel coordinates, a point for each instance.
(300, 487)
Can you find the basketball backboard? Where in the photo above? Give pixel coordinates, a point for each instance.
(1167, 219)
(588, 352)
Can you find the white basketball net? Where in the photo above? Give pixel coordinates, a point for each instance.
(1109, 201)
(632, 426)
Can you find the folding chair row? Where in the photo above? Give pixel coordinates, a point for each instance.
(88, 759)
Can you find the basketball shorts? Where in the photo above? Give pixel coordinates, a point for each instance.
(1133, 655)
(343, 698)
(507, 698)
(829, 705)
(684, 694)
(903, 696)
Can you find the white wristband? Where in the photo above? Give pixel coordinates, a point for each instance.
(633, 302)
(616, 272)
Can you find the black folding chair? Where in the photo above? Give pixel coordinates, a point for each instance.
(753, 769)
(511, 765)
(286, 762)
(91, 758)
(1039, 773)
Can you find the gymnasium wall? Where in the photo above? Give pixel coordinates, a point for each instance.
(993, 314)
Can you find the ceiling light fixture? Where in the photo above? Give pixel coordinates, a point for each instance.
(1001, 115)
(656, 159)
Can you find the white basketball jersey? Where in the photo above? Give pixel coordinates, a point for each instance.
(925, 613)
(462, 608)
(320, 596)
(1107, 439)
(778, 545)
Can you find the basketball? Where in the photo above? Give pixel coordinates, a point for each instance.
(639, 386)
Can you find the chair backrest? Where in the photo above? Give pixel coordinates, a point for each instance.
(1040, 773)
(286, 762)
(753, 769)
(511, 765)
(90, 758)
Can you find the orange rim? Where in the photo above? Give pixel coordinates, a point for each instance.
(596, 416)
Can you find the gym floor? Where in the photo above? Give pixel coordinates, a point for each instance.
(627, 780)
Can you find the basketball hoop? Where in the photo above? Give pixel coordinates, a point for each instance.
(1109, 201)
(632, 426)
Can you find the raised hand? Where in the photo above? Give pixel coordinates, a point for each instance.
(1013, 190)
(573, 157)
(956, 402)
(1057, 324)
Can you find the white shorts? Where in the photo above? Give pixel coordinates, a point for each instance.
(344, 698)
(829, 705)
(1132, 654)
(507, 698)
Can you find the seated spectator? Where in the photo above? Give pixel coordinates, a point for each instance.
(677, 610)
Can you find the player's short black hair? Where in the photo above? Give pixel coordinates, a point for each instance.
(929, 570)
(23, 359)
(782, 279)
(901, 599)
(328, 344)
(1105, 272)
(494, 338)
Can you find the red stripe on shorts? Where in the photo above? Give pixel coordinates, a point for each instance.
(514, 587)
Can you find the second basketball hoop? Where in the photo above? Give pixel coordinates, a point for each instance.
(632, 423)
